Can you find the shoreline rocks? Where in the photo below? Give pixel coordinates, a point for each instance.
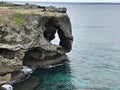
(29, 84)
(7, 87)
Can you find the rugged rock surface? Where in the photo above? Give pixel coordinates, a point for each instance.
(29, 84)
(26, 34)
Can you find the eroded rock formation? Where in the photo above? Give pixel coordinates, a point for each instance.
(26, 39)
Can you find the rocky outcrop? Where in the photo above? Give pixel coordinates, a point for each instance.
(25, 38)
(29, 84)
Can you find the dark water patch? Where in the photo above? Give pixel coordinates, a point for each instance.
(107, 66)
(57, 78)
(29, 84)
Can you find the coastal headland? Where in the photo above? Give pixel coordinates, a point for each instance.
(26, 32)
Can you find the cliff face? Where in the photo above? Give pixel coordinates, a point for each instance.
(25, 38)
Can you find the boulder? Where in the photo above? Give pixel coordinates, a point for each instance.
(5, 78)
(51, 9)
(29, 84)
(62, 10)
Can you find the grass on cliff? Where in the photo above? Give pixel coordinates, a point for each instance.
(19, 18)
(1, 22)
(5, 4)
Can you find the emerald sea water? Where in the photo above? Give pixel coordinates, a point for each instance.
(94, 62)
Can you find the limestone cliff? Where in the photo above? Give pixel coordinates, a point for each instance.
(26, 32)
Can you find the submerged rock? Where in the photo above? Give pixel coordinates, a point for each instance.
(26, 35)
(17, 77)
(29, 84)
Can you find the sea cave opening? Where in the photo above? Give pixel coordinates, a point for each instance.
(56, 40)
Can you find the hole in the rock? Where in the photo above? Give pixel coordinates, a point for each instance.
(33, 53)
(50, 32)
(7, 53)
(56, 40)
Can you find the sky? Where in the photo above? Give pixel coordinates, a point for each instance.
(110, 1)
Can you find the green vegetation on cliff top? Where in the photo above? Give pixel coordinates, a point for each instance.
(19, 18)
(15, 14)
(5, 4)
